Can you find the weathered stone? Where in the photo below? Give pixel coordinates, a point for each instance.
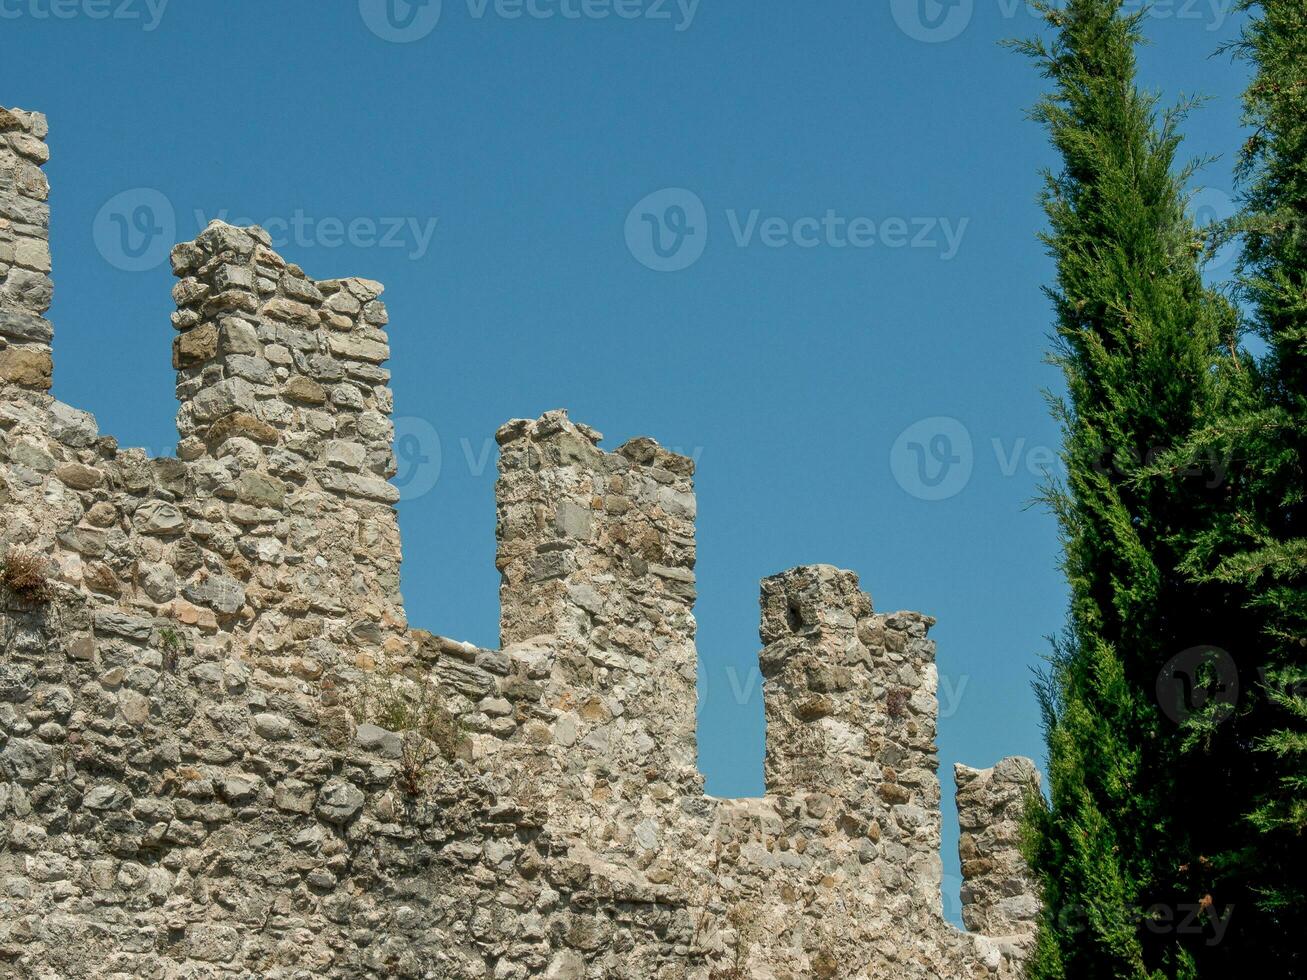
(158, 517)
(222, 594)
(239, 788)
(346, 455)
(256, 370)
(240, 425)
(28, 367)
(73, 427)
(78, 477)
(224, 398)
(272, 726)
(117, 623)
(192, 615)
(260, 490)
(339, 801)
(376, 739)
(23, 326)
(33, 254)
(135, 707)
(306, 390)
(105, 798)
(290, 311)
(356, 348)
(26, 760)
(195, 346)
(27, 289)
(159, 582)
(567, 965)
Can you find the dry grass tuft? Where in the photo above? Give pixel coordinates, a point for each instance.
(26, 575)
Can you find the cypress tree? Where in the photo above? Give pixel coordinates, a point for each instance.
(1139, 339)
(1273, 560)
(1254, 839)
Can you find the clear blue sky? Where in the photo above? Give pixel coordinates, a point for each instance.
(788, 355)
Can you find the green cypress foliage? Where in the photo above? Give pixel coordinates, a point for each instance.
(1254, 840)
(1140, 339)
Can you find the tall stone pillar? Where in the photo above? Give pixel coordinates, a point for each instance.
(851, 710)
(1000, 895)
(285, 418)
(596, 552)
(26, 360)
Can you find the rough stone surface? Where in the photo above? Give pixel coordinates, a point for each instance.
(25, 286)
(998, 897)
(225, 753)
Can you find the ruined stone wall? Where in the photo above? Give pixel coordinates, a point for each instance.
(225, 753)
(25, 287)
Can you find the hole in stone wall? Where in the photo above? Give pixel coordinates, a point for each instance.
(793, 616)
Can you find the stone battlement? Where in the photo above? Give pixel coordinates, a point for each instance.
(224, 751)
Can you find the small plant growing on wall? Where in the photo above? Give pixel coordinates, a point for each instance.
(172, 647)
(417, 709)
(26, 575)
(414, 763)
(740, 920)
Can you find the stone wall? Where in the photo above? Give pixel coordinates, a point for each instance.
(25, 287)
(999, 893)
(225, 753)
(597, 551)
